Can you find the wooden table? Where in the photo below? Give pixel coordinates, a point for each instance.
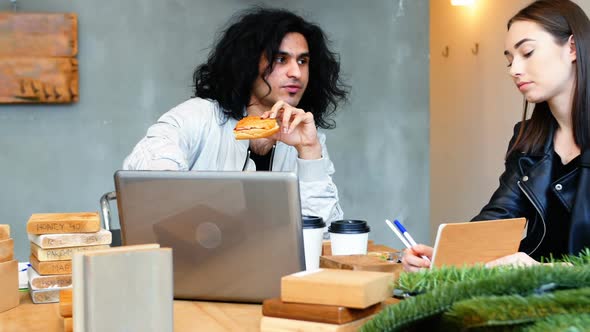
(188, 316)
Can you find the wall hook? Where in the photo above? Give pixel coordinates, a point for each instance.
(476, 49)
(445, 53)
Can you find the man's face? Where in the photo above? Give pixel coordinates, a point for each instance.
(289, 76)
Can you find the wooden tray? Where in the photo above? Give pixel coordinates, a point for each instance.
(316, 312)
(361, 263)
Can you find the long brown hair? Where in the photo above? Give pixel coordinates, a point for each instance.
(562, 19)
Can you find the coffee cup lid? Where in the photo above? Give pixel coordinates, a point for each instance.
(313, 222)
(349, 227)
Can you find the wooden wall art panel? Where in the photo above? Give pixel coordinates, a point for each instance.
(38, 57)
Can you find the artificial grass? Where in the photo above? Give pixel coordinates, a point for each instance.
(441, 289)
(517, 309)
(561, 323)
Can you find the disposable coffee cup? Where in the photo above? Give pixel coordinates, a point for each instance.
(313, 234)
(349, 237)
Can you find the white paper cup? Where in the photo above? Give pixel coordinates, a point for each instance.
(349, 237)
(313, 236)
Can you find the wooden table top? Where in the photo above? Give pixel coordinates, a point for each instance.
(188, 316)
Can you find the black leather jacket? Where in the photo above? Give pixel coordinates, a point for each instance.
(523, 190)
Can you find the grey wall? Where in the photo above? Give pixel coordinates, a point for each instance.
(136, 59)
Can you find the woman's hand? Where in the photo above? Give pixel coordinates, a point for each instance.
(412, 262)
(518, 259)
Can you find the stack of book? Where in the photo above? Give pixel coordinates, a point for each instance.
(55, 237)
(9, 297)
(326, 300)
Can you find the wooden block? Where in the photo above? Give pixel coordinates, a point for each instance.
(55, 223)
(352, 289)
(4, 232)
(37, 282)
(61, 254)
(39, 34)
(50, 295)
(316, 312)
(52, 267)
(9, 296)
(6, 250)
(361, 263)
(51, 241)
(65, 302)
(282, 324)
(68, 324)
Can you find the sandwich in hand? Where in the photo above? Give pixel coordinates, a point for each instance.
(252, 127)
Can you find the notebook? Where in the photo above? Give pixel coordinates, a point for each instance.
(233, 234)
(123, 289)
(469, 243)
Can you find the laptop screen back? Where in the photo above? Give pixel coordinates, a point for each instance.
(233, 234)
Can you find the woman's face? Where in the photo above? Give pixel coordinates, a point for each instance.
(541, 68)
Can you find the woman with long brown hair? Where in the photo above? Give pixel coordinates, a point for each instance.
(547, 175)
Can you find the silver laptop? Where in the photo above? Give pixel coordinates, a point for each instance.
(233, 234)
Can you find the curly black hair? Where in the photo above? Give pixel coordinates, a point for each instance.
(232, 66)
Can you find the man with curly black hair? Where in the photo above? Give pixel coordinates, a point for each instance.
(267, 63)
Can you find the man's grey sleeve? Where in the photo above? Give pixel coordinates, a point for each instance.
(164, 147)
(319, 195)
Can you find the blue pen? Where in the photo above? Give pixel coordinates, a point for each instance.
(407, 235)
(26, 268)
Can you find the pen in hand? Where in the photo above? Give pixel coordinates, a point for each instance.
(403, 235)
(399, 235)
